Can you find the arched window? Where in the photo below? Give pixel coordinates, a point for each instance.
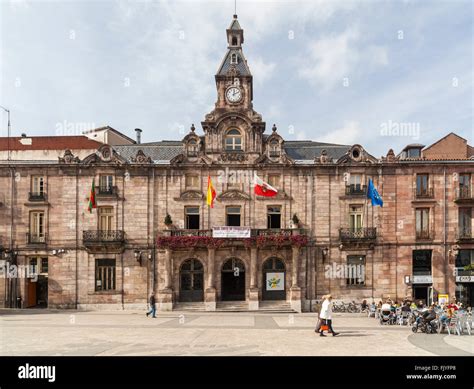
(234, 41)
(233, 59)
(233, 140)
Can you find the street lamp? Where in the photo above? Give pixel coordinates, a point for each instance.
(9, 129)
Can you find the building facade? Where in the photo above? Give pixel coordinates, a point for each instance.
(153, 231)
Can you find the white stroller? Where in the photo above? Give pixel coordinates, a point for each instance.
(386, 315)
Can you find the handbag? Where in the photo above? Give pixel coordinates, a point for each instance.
(324, 325)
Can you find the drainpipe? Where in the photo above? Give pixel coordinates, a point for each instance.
(446, 280)
(76, 303)
(12, 290)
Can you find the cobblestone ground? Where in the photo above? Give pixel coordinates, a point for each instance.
(54, 333)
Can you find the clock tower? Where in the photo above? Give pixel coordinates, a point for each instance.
(233, 130)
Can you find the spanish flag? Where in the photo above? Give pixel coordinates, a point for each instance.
(211, 193)
(92, 203)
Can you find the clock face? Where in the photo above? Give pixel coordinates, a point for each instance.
(233, 94)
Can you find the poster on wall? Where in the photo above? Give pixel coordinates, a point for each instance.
(443, 299)
(275, 281)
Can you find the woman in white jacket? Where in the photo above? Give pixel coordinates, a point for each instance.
(325, 316)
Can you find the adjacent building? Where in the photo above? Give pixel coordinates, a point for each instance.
(152, 229)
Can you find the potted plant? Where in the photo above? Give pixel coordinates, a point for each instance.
(168, 221)
(295, 222)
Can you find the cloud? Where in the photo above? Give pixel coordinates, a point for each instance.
(334, 57)
(350, 133)
(261, 70)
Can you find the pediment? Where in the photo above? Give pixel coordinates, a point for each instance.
(105, 154)
(141, 157)
(233, 194)
(190, 195)
(357, 155)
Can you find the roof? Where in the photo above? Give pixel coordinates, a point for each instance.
(235, 25)
(308, 150)
(108, 128)
(241, 65)
(76, 142)
(157, 151)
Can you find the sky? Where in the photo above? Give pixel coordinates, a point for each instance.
(382, 74)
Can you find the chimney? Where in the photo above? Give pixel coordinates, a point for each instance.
(139, 135)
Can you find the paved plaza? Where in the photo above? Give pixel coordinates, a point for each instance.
(79, 333)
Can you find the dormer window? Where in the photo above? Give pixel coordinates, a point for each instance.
(274, 149)
(233, 140)
(414, 153)
(233, 59)
(234, 41)
(192, 148)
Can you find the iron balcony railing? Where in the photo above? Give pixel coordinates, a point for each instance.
(36, 238)
(354, 189)
(37, 196)
(464, 233)
(424, 193)
(461, 272)
(463, 193)
(253, 232)
(103, 236)
(363, 233)
(107, 191)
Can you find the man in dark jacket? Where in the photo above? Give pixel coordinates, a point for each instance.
(152, 302)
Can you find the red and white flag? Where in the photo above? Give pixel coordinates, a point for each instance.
(264, 189)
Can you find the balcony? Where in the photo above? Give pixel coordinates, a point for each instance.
(463, 275)
(104, 240)
(463, 195)
(274, 154)
(424, 235)
(263, 238)
(423, 194)
(107, 191)
(37, 196)
(359, 234)
(464, 234)
(36, 239)
(356, 190)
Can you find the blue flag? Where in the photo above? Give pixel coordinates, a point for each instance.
(373, 195)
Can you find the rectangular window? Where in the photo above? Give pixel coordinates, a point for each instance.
(274, 217)
(464, 258)
(464, 186)
(33, 266)
(37, 185)
(44, 265)
(191, 181)
(355, 218)
(106, 218)
(414, 153)
(422, 182)
(421, 262)
(37, 227)
(274, 180)
(104, 274)
(106, 183)
(355, 181)
(233, 216)
(355, 272)
(464, 222)
(422, 223)
(192, 218)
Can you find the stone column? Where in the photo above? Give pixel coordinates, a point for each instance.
(253, 290)
(295, 290)
(165, 296)
(210, 295)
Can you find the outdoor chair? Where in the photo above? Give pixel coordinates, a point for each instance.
(453, 326)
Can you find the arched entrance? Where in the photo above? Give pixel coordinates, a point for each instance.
(233, 280)
(191, 281)
(273, 280)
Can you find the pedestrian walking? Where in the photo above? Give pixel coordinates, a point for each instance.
(325, 317)
(152, 302)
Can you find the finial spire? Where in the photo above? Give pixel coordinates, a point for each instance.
(235, 9)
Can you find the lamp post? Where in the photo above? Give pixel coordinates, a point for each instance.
(9, 129)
